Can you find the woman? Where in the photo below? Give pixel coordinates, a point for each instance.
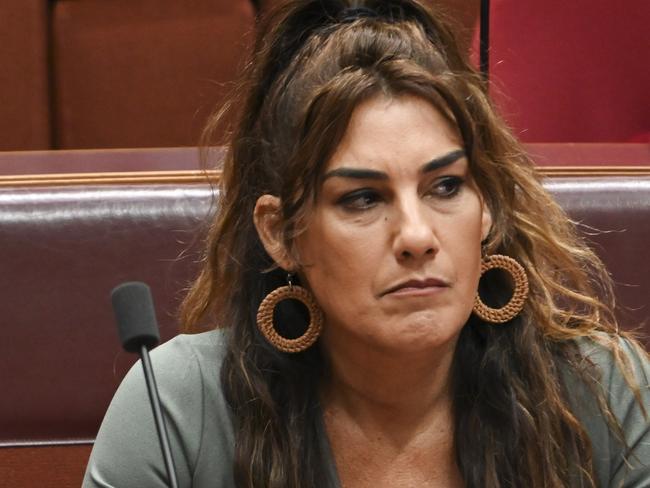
(368, 177)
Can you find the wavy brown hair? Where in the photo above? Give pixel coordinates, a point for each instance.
(311, 67)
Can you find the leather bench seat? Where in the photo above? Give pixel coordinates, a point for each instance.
(65, 248)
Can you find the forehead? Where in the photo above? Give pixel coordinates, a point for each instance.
(395, 131)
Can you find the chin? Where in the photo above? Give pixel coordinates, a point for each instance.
(421, 337)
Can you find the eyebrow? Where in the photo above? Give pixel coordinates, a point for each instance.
(442, 161)
(371, 174)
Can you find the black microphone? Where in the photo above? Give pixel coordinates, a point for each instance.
(138, 330)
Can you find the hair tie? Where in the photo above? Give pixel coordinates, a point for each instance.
(350, 14)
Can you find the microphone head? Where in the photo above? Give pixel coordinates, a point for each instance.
(135, 316)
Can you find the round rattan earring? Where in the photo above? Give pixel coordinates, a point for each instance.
(511, 309)
(265, 318)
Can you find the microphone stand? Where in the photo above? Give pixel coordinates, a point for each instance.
(484, 39)
(158, 416)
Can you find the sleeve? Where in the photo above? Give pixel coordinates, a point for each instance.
(127, 452)
(631, 468)
(618, 464)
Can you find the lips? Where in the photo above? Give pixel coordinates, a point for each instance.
(416, 284)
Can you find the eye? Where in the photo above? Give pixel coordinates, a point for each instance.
(447, 187)
(359, 200)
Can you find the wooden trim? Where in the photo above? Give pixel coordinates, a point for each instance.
(593, 171)
(111, 178)
(46, 443)
(213, 176)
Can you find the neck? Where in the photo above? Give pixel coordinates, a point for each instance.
(388, 387)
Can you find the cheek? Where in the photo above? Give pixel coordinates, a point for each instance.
(327, 240)
(464, 247)
(338, 258)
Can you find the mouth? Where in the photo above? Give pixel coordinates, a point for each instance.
(417, 287)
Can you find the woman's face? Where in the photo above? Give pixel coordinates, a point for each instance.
(392, 249)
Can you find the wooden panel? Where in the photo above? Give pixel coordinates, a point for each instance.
(24, 111)
(590, 154)
(43, 466)
(589, 158)
(102, 160)
(145, 73)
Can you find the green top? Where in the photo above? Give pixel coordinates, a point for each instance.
(127, 453)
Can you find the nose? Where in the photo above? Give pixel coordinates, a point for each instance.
(415, 237)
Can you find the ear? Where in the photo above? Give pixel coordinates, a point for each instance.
(268, 222)
(486, 220)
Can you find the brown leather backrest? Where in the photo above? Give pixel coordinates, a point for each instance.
(613, 214)
(63, 250)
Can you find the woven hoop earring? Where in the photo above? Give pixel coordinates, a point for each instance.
(265, 318)
(511, 309)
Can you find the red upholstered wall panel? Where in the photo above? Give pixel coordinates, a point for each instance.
(145, 73)
(24, 101)
(575, 71)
